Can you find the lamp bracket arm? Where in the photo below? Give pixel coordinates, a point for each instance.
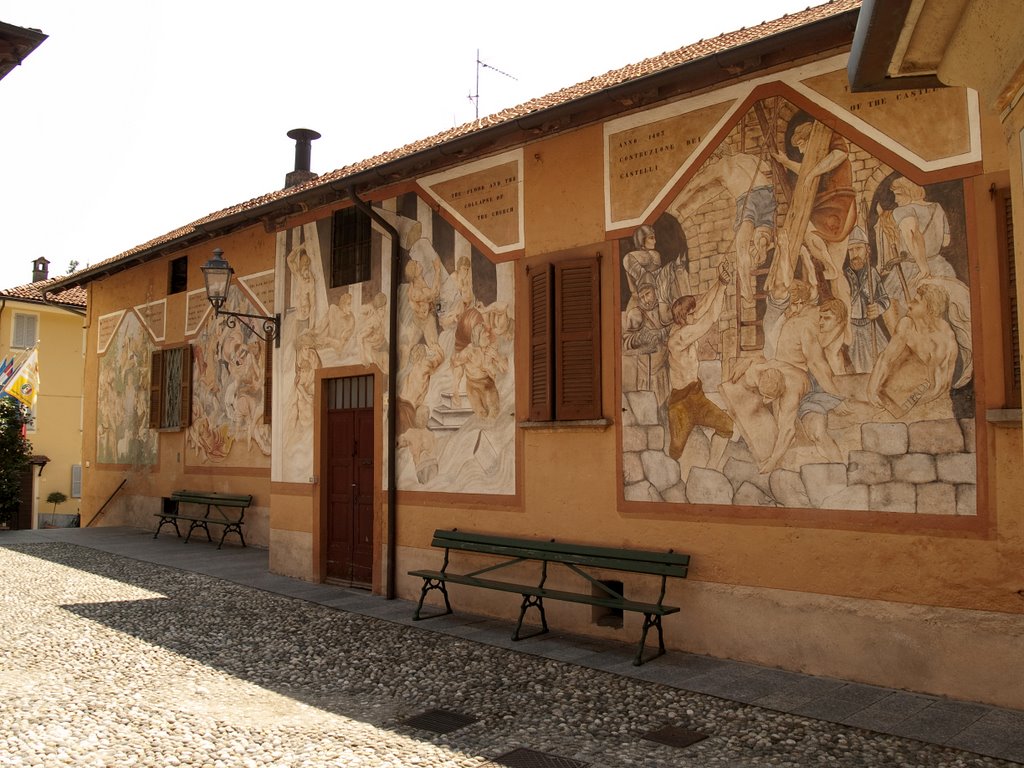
(271, 325)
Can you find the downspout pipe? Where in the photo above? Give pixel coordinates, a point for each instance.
(392, 374)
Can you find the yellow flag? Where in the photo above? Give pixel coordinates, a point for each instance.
(24, 385)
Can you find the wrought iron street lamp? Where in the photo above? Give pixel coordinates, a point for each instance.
(217, 274)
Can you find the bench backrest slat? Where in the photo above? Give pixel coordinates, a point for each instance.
(222, 499)
(658, 563)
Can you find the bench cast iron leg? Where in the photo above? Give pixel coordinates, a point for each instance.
(233, 528)
(650, 620)
(164, 522)
(429, 584)
(529, 601)
(198, 524)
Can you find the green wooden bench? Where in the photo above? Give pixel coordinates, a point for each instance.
(227, 510)
(571, 556)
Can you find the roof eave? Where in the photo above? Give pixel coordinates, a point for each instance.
(66, 305)
(879, 27)
(22, 41)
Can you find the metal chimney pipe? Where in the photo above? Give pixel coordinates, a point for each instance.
(303, 146)
(303, 141)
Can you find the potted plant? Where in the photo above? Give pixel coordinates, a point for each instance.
(54, 498)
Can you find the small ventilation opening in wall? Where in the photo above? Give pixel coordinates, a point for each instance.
(607, 617)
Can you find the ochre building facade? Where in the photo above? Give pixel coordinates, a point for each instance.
(729, 308)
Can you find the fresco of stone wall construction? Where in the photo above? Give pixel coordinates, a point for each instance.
(796, 331)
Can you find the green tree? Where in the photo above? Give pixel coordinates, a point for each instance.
(14, 454)
(55, 498)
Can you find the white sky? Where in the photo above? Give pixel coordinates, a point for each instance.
(136, 117)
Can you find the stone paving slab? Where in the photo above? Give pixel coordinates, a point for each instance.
(834, 722)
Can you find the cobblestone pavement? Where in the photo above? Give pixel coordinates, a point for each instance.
(107, 661)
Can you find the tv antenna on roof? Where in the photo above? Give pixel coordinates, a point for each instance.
(475, 98)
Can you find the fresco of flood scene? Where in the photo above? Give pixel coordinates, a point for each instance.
(455, 407)
(228, 370)
(796, 331)
(123, 435)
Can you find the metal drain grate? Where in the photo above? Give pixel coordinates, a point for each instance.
(439, 721)
(675, 736)
(527, 758)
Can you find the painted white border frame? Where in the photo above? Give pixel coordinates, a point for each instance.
(514, 156)
(738, 93)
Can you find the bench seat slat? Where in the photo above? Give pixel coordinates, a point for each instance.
(554, 594)
(214, 520)
(218, 494)
(212, 502)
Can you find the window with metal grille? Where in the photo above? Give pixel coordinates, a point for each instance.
(352, 392)
(1008, 278)
(170, 388)
(565, 340)
(26, 331)
(351, 242)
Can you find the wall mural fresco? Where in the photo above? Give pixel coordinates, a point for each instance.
(123, 435)
(227, 394)
(228, 365)
(456, 426)
(796, 331)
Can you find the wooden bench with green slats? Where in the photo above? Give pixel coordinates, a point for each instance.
(230, 513)
(572, 556)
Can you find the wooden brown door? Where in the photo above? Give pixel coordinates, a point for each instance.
(350, 481)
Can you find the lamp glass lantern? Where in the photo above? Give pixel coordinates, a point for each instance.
(217, 275)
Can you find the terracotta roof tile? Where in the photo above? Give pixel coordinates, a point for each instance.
(34, 292)
(649, 66)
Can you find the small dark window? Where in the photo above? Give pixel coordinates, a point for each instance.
(177, 278)
(350, 247)
(565, 341)
(352, 392)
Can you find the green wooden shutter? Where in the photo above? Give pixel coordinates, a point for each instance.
(1011, 337)
(541, 330)
(578, 340)
(156, 378)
